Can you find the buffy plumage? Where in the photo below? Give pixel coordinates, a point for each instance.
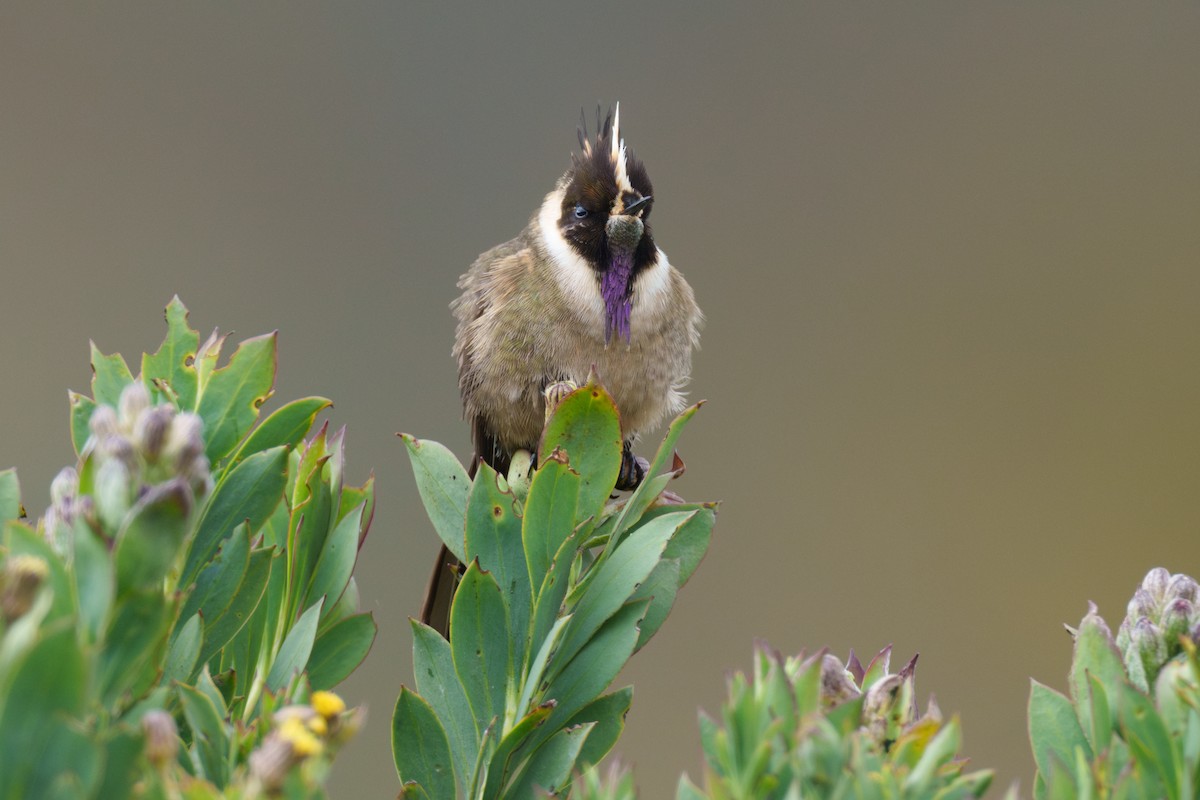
(584, 284)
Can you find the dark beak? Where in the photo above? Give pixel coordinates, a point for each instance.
(640, 203)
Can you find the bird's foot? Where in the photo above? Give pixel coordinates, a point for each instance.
(633, 470)
(555, 393)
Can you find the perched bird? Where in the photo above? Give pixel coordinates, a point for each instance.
(583, 286)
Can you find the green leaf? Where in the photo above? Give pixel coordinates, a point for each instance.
(586, 426)
(95, 582)
(296, 648)
(248, 493)
(942, 748)
(82, 407)
(607, 712)
(437, 681)
(494, 538)
(174, 362)
(134, 645)
(553, 590)
(591, 671)
(690, 543)
(220, 631)
(649, 489)
(122, 754)
(480, 642)
(1095, 655)
(210, 738)
(149, 541)
(1150, 742)
(549, 515)
(339, 650)
(216, 586)
(420, 748)
(549, 768)
(310, 530)
(287, 425)
(183, 651)
(660, 588)
(616, 579)
(508, 756)
(110, 377)
(336, 561)
(1054, 731)
(1102, 723)
(230, 402)
(444, 488)
(352, 498)
(46, 690)
(10, 495)
(347, 606)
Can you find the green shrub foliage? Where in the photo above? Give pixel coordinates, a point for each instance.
(562, 585)
(174, 620)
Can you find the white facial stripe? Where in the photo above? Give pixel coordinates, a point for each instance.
(574, 277)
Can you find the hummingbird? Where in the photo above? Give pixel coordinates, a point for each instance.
(583, 287)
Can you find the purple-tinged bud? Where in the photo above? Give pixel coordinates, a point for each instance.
(837, 683)
(1142, 604)
(1155, 583)
(1176, 622)
(65, 486)
(103, 422)
(1182, 587)
(1147, 646)
(881, 707)
(150, 430)
(185, 442)
(119, 448)
(270, 762)
(134, 400)
(20, 580)
(162, 737)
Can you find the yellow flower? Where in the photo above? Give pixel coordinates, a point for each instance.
(327, 704)
(303, 743)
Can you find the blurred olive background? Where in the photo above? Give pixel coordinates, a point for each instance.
(948, 254)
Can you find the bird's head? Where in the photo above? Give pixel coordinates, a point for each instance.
(606, 203)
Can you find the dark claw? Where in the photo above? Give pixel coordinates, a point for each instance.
(633, 470)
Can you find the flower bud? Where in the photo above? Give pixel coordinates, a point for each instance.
(1142, 604)
(185, 442)
(150, 430)
(1181, 587)
(837, 683)
(103, 422)
(65, 486)
(270, 762)
(134, 400)
(162, 738)
(23, 575)
(880, 706)
(1155, 583)
(119, 448)
(113, 494)
(1176, 622)
(1146, 644)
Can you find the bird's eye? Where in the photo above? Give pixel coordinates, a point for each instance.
(580, 211)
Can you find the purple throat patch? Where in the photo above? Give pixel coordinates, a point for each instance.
(618, 295)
